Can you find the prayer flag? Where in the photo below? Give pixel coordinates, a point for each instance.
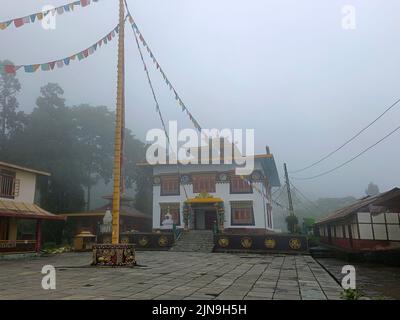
(45, 67)
(31, 68)
(80, 56)
(85, 3)
(18, 22)
(3, 25)
(9, 69)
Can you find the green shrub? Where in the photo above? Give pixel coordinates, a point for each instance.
(351, 294)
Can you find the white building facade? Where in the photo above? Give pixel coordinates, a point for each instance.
(207, 196)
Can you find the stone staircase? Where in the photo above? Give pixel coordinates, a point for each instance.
(195, 241)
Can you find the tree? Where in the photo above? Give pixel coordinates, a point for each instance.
(48, 142)
(76, 145)
(10, 119)
(144, 190)
(372, 189)
(94, 131)
(306, 208)
(292, 224)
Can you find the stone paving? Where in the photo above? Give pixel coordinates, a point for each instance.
(172, 276)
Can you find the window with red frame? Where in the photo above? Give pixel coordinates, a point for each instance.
(204, 183)
(238, 185)
(173, 211)
(242, 214)
(170, 186)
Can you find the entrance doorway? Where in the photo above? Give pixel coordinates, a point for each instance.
(204, 218)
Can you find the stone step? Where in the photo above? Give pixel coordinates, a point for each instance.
(195, 241)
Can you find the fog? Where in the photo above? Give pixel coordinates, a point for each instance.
(284, 68)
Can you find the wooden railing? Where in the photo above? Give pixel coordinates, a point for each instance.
(17, 246)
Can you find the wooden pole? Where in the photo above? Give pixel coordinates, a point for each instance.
(291, 211)
(119, 126)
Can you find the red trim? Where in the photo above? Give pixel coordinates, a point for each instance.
(361, 244)
(38, 245)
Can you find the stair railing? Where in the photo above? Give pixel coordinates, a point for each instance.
(177, 232)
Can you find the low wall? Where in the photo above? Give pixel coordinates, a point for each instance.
(17, 246)
(148, 240)
(274, 243)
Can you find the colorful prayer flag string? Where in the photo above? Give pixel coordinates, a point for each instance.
(31, 18)
(159, 68)
(48, 66)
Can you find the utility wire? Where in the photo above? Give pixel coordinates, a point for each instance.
(276, 191)
(348, 141)
(350, 160)
(306, 198)
(177, 96)
(280, 193)
(154, 96)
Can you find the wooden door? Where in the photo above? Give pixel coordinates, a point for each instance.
(210, 218)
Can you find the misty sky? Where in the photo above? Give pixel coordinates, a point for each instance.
(285, 68)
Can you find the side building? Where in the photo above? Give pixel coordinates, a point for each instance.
(371, 224)
(17, 204)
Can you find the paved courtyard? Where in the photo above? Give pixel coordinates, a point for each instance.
(172, 276)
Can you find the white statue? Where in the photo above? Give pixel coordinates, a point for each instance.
(167, 223)
(107, 217)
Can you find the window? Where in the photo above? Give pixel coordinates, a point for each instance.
(239, 185)
(7, 184)
(242, 213)
(174, 211)
(170, 186)
(204, 183)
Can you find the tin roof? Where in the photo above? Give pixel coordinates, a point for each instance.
(24, 210)
(389, 198)
(14, 166)
(125, 211)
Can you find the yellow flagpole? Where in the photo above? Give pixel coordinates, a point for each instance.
(119, 126)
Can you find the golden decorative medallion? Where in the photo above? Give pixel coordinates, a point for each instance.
(294, 244)
(223, 242)
(246, 242)
(163, 241)
(143, 241)
(270, 243)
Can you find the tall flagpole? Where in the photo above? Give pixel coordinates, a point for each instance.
(119, 126)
